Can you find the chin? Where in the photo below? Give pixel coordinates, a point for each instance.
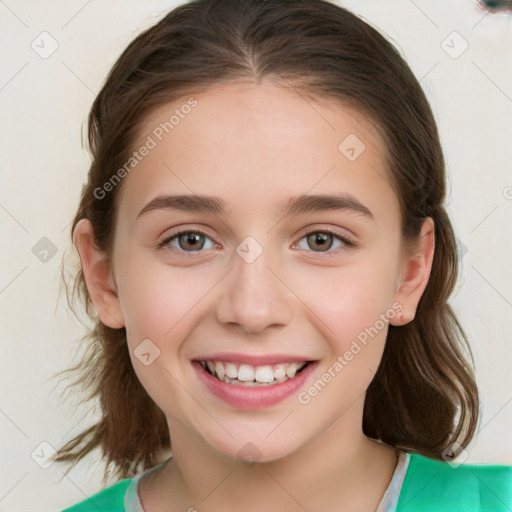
(256, 449)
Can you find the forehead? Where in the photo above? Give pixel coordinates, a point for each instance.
(255, 145)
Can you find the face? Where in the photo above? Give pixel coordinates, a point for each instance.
(284, 290)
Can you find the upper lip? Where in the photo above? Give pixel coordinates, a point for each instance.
(255, 360)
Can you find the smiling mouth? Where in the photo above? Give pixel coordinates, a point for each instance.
(249, 375)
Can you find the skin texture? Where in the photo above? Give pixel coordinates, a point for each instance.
(255, 146)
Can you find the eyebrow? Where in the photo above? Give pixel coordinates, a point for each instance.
(295, 206)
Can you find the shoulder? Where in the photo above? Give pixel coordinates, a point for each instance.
(110, 499)
(432, 485)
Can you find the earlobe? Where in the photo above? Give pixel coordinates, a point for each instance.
(98, 276)
(415, 274)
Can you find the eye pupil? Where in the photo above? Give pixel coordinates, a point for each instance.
(192, 239)
(322, 239)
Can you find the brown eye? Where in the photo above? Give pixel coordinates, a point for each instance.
(187, 241)
(324, 241)
(320, 242)
(191, 241)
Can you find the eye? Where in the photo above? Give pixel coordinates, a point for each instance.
(187, 241)
(323, 241)
(193, 241)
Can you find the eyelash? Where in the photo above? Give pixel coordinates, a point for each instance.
(348, 243)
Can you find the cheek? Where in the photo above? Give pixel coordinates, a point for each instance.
(158, 300)
(351, 308)
(348, 300)
(161, 305)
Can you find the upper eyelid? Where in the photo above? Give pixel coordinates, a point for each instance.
(333, 231)
(187, 230)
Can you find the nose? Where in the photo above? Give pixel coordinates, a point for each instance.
(255, 295)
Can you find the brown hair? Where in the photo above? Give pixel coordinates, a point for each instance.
(423, 395)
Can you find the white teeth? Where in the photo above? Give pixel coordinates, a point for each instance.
(231, 370)
(219, 370)
(280, 372)
(248, 375)
(264, 374)
(291, 370)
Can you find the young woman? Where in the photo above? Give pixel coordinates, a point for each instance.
(264, 242)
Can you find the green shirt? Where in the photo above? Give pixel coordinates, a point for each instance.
(429, 486)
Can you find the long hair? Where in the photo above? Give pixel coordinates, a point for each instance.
(423, 395)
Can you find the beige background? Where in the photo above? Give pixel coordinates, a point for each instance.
(44, 102)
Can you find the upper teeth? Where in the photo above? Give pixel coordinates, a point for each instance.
(266, 374)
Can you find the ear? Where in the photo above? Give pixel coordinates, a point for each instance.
(416, 269)
(98, 276)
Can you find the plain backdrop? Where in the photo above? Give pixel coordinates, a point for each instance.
(56, 54)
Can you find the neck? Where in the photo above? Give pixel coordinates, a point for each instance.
(340, 469)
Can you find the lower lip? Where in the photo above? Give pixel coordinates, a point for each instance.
(253, 397)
